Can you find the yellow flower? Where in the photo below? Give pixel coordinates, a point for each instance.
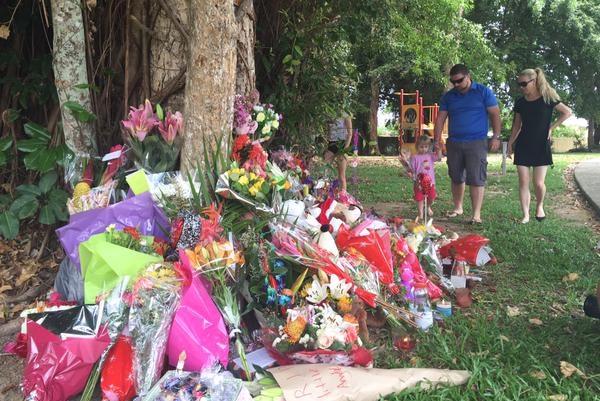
(287, 185)
(253, 190)
(253, 176)
(243, 180)
(275, 124)
(344, 304)
(260, 117)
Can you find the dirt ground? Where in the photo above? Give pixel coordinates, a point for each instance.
(573, 208)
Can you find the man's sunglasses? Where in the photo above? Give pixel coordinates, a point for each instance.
(457, 81)
(523, 84)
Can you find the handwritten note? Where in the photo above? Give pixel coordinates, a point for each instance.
(341, 383)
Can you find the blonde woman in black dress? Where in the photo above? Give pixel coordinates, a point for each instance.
(531, 134)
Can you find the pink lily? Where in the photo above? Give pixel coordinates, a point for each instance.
(140, 121)
(171, 126)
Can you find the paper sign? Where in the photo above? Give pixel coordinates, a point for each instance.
(259, 357)
(342, 383)
(138, 182)
(112, 155)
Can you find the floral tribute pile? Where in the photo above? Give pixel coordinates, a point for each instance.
(192, 287)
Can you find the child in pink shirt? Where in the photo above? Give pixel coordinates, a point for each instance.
(421, 170)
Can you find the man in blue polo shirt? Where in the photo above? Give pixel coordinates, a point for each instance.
(467, 106)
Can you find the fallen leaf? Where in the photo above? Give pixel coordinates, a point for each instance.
(568, 369)
(413, 361)
(504, 338)
(23, 278)
(571, 277)
(538, 374)
(557, 397)
(536, 322)
(5, 288)
(4, 32)
(513, 311)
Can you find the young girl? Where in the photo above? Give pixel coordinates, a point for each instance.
(421, 170)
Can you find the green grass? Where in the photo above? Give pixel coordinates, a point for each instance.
(500, 351)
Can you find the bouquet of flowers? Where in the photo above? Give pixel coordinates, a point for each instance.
(131, 238)
(216, 258)
(91, 190)
(248, 183)
(318, 334)
(251, 118)
(267, 119)
(154, 300)
(152, 151)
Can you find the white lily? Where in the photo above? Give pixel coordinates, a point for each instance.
(317, 293)
(338, 288)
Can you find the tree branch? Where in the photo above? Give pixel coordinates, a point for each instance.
(173, 85)
(175, 20)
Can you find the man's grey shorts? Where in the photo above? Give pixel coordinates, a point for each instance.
(467, 162)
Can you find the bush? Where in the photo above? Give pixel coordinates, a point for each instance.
(565, 131)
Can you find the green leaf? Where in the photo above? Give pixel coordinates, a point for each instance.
(59, 210)
(58, 196)
(79, 112)
(287, 59)
(29, 189)
(57, 202)
(9, 225)
(37, 131)
(32, 145)
(5, 200)
(12, 115)
(48, 181)
(3, 159)
(24, 206)
(46, 215)
(160, 112)
(42, 161)
(298, 50)
(5, 144)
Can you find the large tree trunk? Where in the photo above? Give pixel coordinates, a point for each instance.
(210, 83)
(374, 107)
(70, 70)
(590, 137)
(245, 81)
(167, 56)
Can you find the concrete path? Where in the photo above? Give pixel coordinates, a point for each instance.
(587, 176)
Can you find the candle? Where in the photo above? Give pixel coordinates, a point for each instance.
(444, 308)
(405, 343)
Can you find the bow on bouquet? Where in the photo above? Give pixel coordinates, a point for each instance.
(154, 151)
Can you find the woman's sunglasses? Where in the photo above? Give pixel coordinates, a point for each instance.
(457, 81)
(523, 84)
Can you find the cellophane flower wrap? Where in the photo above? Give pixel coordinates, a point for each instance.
(91, 189)
(251, 179)
(154, 137)
(217, 259)
(155, 298)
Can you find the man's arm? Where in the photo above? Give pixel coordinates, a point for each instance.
(494, 114)
(437, 132)
(438, 128)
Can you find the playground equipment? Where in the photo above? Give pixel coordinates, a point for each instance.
(415, 119)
